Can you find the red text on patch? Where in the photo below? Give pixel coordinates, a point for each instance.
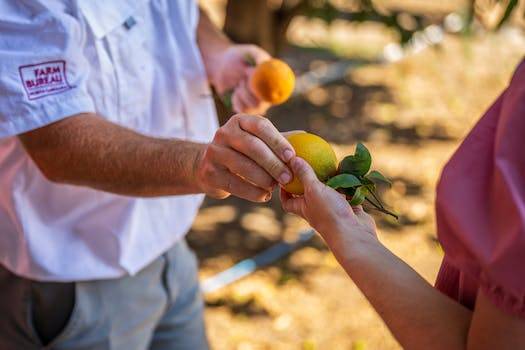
(43, 79)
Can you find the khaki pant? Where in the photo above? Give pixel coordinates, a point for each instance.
(158, 308)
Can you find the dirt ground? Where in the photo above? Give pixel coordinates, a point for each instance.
(411, 115)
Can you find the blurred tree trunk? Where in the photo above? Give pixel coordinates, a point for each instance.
(250, 21)
(255, 22)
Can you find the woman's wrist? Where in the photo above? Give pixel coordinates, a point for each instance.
(350, 245)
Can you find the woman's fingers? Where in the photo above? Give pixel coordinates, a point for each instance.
(364, 218)
(358, 209)
(291, 204)
(304, 171)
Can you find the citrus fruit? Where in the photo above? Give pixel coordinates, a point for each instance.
(316, 152)
(272, 81)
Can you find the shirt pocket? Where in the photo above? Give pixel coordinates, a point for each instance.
(134, 69)
(123, 72)
(102, 84)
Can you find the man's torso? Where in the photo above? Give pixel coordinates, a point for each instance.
(145, 73)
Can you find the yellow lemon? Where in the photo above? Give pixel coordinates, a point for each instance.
(316, 152)
(272, 81)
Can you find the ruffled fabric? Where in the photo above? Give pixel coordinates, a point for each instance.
(481, 207)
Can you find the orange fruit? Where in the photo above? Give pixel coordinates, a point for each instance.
(316, 152)
(272, 81)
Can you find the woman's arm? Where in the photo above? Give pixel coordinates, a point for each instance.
(419, 316)
(491, 328)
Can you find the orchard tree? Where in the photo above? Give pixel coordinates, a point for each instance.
(265, 22)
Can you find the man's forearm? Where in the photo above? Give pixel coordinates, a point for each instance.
(211, 41)
(87, 150)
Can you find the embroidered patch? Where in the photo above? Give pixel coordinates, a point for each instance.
(44, 79)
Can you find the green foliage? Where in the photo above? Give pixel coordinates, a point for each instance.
(249, 60)
(357, 164)
(366, 12)
(357, 182)
(359, 196)
(511, 6)
(376, 177)
(343, 181)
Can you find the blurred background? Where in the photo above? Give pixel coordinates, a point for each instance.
(409, 78)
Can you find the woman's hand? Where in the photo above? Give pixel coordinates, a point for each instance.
(327, 210)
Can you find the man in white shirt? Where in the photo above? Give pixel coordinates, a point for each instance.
(108, 141)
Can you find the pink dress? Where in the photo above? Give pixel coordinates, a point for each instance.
(481, 207)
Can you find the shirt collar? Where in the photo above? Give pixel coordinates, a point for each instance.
(105, 15)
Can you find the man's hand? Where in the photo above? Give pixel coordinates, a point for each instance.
(231, 72)
(227, 68)
(246, 158)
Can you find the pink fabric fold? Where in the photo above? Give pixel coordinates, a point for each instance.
(480, 207)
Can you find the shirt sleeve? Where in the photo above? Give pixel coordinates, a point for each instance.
(43, 71)
(481, 201)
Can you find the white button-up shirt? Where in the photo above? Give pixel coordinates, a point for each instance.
(135, 63)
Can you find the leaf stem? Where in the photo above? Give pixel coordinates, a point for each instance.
(377, 199)
(383, 210)
(374, 204)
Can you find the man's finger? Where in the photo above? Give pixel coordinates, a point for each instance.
(237, 105)
(255, 149)
(261, 108)
(246, 96)
(258, 54)
(238, 187)
(246, 168)
(263, 129)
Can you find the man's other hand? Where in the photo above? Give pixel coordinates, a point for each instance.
(231, 73)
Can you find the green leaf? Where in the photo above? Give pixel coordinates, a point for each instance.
(359, 196)
(368, 184)
(226, 99)
(249, 60)
(508, 11)
(359, 163)
(376, 177)
(349, 192)
(343, 181)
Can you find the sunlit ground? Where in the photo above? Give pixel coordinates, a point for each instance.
(411, 115)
